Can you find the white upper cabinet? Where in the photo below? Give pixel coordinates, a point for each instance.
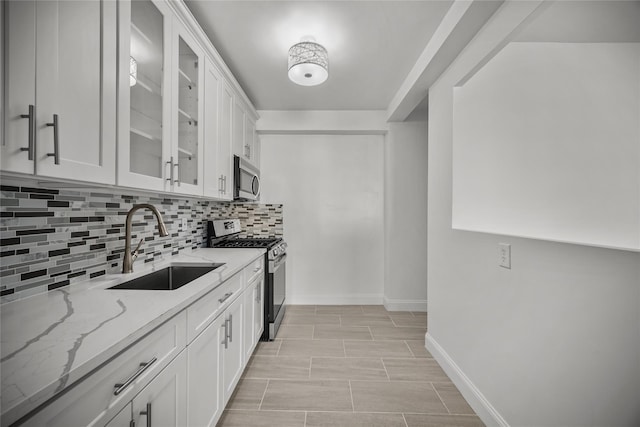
(161, 101)
(218, 104)
(244, 132)
(60, 116)
(144, 133)
(188, 99)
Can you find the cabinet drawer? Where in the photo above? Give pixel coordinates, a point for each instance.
(93, 401)
(207, 308)
(254, 270)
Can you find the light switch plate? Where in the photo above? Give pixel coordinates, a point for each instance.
(504, 255)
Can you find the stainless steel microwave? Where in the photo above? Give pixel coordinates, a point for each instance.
(246, 178)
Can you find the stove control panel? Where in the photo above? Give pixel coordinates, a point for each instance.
(224, 227)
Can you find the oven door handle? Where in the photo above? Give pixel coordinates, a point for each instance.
(277, 263)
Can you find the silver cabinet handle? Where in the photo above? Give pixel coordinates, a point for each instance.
(226, 334)
(56, 145)
(143, 367)
(177, 166)
(220, 184)
(225, 297)
(31, 148)
(224, 184)
(147, 412)
(259, 292)
(231, 327)
(170, 163)
(132, 423)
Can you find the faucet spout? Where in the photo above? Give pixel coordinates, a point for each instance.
(127, 262)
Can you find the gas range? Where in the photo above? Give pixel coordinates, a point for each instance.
(223, 233)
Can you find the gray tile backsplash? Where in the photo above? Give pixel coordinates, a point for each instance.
(51, 238)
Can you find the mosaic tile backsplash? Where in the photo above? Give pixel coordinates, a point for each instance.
(51, 238)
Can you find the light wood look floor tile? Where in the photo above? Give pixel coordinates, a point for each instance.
(353, 419)
(387, 333)
(414, 370)
(348, 368)
(329, 348)
(395, 396)
(377, 349)
(295, 332)
(311, 319)
(424, 420)
(235, 418)
(418, 349)
(310, 395)
(342, 332)
(452, 398)
(248, 394)
(278, 367)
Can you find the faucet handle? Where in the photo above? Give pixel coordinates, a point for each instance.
(134, 254)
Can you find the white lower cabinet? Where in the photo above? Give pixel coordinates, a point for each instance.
(204, 358)
(233, 358)
(254, 312)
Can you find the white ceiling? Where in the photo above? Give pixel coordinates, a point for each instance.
(372, 47)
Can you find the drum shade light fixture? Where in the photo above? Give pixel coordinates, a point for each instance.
(308, 62)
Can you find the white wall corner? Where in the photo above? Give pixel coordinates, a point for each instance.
(405, 304)
(485, 410)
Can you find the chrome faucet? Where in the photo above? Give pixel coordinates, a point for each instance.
(130, 257)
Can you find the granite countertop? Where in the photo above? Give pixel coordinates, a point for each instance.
(49, 341)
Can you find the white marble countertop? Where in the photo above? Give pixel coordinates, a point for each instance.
(49, 341)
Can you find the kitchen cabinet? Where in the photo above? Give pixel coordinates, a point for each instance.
(244, 132)
(254, 315)
(218, 105)
(161, 100)
(233, 359)
(60, 89)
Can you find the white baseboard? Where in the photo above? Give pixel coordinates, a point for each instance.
(354, 299)
(487, 413)
(405, 304)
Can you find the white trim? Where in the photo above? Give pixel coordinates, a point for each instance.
(487, 413)
(405, 304)
(352, 299)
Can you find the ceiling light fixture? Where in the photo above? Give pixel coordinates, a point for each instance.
(133, 71)
(308, 62)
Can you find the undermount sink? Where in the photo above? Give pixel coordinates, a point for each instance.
(167, 279)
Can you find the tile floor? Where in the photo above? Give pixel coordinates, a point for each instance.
(347, 366)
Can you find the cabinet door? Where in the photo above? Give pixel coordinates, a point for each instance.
(76, 90)
(205, 366)
(249, 135)
(250, 297)
(164, 401)
(256, 150)
(258, 317)
(19, 85)
(213, 181)
(144, 114)
(123, 419)
(224, 162)
(188, 94)
(238, 128)
(233, 354)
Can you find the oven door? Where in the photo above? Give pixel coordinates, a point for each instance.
(277, 280)
(246, 180)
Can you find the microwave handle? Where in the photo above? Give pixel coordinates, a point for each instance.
(256, 179)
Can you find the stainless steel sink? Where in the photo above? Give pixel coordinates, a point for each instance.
(167, 279)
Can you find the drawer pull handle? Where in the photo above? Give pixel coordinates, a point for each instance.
(225, 297)
(56, 144)
(143, 367)
(147, 412)
(31, 148)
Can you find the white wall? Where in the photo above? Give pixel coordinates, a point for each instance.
(405, 217)
(332, 190)
(551, 155)
(553, 341)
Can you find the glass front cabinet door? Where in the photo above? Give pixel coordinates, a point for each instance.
(159, 107)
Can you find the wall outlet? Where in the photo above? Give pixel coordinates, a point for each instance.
(504, 255)
(183, 223)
